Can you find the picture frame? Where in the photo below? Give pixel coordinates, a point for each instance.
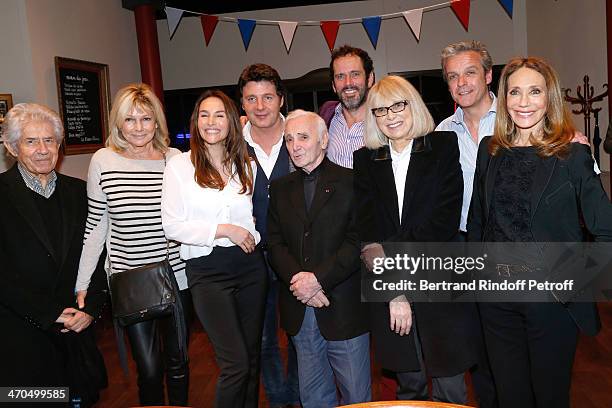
(6, 103)
(84, 103)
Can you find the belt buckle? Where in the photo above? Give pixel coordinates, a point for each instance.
(503, 270)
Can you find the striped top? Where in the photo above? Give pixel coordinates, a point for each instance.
(124, 212)
(342, 140)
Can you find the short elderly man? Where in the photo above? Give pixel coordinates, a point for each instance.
(314, 248)
(42, 221)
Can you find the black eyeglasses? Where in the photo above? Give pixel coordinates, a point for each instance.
(397, 107)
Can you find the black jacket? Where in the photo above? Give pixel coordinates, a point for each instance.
(323, 241)
(431, 213)
(36, 284)
(562, 190)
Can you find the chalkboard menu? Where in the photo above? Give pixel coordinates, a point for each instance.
(82, 89)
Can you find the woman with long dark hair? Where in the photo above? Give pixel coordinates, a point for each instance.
(532, 184)
(206, 205)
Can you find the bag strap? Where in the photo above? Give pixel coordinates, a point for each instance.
(167, 242)
(179, 318)
(178, 314)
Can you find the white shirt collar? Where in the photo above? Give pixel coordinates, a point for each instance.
(458, 115)
(246, 132)
(398, 156)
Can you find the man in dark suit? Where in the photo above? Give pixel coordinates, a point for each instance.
(313, 246)
(41, 234)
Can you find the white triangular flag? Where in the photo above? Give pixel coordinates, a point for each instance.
(174, 17)
(287, 29)
(413, 18)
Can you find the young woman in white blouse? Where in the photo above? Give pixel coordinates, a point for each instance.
(206, 205)
(124, 214)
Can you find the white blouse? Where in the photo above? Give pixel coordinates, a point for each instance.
(191, 214)
(400, 163)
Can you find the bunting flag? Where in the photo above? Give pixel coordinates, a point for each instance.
(372, 27)
(507, 5)
(414, 18)
(246, 31)
(209, 23)
(330, 31)
(287, 29)
(371, 24)
(461, 8)
(174, 17)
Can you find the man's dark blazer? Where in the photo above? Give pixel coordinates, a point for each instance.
(323, 241)
(562, 189)
(36, 283)
(431, 212)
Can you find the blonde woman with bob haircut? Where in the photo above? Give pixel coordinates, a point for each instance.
(409, 187)
(397, 89)
(124, 189)
(532, 184)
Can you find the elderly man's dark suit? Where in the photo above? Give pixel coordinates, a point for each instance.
(36, 283)
(323, 241)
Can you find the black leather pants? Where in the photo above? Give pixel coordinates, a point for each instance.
(155, 350)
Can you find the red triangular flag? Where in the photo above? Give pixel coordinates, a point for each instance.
(330, 31)
(209, 23)
(462, 11)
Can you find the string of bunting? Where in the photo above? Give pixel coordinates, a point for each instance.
(330, 28)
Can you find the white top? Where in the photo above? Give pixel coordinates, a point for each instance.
(191, 214)
(266, 162)
(124, 212)
(468, 149)
(400, 163)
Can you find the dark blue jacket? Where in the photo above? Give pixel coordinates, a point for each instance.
(261, 196)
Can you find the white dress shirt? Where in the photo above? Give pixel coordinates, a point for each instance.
(266, 162)
(399, 163)
(191, 214)
(468, 149)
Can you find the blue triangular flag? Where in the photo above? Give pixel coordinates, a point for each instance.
(507, 4)
(372, 27)
(246, 31)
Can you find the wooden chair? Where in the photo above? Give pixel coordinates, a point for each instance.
(405, 404)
